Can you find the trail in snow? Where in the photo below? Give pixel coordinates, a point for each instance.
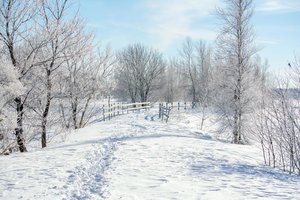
(71, 170)
(134, 157)
(171, 162)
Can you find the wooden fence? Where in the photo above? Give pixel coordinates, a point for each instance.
(164, 112)
(115, 109)
(179, 105)
(165, 108)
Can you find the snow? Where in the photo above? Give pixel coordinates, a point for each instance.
(132, 157)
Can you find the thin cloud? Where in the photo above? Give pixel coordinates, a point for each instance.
(171, 20)
(280, 5)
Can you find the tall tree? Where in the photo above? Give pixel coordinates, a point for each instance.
(65, 40)
(15, 23)
(235, 50)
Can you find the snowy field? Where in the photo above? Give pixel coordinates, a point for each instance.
(132, 157)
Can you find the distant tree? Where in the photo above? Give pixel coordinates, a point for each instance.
(204, 78)
(189, 69)
(171, 89)
(235, 49)
(139, 69)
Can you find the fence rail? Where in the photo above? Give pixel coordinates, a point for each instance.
(117, 108)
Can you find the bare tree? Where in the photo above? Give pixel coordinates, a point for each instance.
(139, 68)
(204, 78)
(234, 53)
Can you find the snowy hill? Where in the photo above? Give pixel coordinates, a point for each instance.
(131, 157)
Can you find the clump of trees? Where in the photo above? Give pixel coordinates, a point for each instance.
(50, 70)
(277, 123)
(138, 72)
(190, 77)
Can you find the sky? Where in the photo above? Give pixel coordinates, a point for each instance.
(165, 24)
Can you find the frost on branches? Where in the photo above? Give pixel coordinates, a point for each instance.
(11, 87)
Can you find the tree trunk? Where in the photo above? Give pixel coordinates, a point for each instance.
(235, 127)
(19, 104)
(236, 122)
(19, 129)
(46, 110)
(74, 112)
(84, 111)
(44, 133)
(203, 118)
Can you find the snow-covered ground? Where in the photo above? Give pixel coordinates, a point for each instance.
(132, 157)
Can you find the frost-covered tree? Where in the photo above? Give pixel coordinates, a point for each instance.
(62, 37)
(171, 91)
(189, 69)
(196, 71)
(86, 76)
(235, 50)
(138, 71)
(15, 22)
(11, 87)
(204, 78)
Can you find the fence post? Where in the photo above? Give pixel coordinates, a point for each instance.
(185, 105)
(140, 107)
(122, 108)
(103, 113)
(162, 112)
(178, 105)
(111, 109)
(109, 112)
(159, 110)
(167, 114)
(108, 108)
(118, 108)
(114, 105)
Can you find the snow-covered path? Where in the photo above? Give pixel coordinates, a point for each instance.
(132, 157)
(175, 163)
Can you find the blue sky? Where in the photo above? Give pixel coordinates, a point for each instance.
(164, 24)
